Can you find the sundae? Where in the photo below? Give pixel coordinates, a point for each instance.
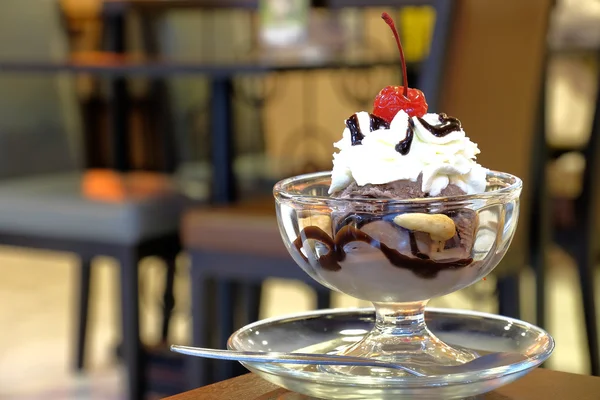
(406, 215)
(398, 152)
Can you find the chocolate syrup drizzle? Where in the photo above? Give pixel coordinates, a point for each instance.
(378, 123)
(403, 147)
(420, 264)
(356, 134)
(446, 126)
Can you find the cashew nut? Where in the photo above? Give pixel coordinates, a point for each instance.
(439, 226)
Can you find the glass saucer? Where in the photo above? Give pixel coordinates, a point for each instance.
(329, 331)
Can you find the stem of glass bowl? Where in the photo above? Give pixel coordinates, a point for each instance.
(400, 335)
(401, 319)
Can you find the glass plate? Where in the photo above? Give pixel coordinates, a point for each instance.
(329, 331)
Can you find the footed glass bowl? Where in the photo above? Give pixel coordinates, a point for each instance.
(397, 254)
(329, 331)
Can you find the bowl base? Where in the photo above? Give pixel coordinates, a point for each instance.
(417, 352)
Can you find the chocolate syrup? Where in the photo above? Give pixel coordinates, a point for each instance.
(414, 247)
(403, 147)
(421, 265)
(356, 134)
(378, 123)
(358, 220)
(447, 125)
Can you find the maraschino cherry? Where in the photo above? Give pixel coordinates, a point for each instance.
(392, 99)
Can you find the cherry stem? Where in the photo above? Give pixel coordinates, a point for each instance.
(388, 20)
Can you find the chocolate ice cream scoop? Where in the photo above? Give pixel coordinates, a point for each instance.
(454, 246)
(399, 190)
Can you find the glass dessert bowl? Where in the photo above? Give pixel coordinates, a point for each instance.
(397, 254)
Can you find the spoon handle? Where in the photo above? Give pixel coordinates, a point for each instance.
(288, 358)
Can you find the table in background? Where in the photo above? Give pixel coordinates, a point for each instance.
(120, 6)
(114, 15)
(221, 72)
(117, 65)
(540, 384)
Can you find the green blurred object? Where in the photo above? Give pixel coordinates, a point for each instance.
(283, 22)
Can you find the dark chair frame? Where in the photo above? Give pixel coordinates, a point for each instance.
(582, 243)
(128, 256)
(212, 274)
(166, 246)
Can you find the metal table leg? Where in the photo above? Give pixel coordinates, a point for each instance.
(119, 98)
(222, 140)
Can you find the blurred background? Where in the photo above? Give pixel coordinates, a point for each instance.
(140, 140)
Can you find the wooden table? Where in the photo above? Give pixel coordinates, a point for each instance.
(541, 384)
(121, 6)
(117, 66)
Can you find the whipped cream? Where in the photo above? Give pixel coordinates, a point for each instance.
(384, 153)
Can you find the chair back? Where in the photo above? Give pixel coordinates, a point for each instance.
(492, 80)
(39, 116)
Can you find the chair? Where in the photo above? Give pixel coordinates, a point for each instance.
(495, 83)
(581, 238)
(47, 199)
(527, 41)
(472, 57)
(475, 67)
(237, 243)
(222, 267)
(486, 65)
(587, 254)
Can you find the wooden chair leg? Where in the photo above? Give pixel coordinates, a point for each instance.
(202, 296)
(168, 297)
(585, 254)
(248, 305)
(84, 283)
(586, 280)
(509, 300)
(131, 348)
(250, 299)
(225, 306)
(323, 299)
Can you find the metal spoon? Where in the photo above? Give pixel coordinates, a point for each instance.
(487, 361)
